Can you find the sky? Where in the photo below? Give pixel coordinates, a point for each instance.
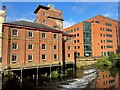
(73, 12)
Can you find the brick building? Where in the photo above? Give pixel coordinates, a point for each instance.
(106, 81)
(49, 16)
(32, 44)
(97, 36)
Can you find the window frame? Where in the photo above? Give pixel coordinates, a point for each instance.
(13, 32)
(16, 58)
(29, 45)
(16, 46)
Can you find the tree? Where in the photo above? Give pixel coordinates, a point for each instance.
(118, 50)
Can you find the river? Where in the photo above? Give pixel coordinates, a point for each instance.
(81, 79)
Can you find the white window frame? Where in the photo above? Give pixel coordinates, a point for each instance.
(32, 57)
(44, 34)
(42, 57)
(29, 34)
(43, 48)
(16, 58)
(16, 46)
(28, 46)
(13, 32)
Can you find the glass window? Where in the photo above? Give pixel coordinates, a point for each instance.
(15, 33)
(68, 47)
(55, 47)
(78, 34)
(74, 41)
(14, 46)
(75, 47)
(30, 34)
(30, 57)
(43, 46)
(78, 47)
(44, 13)
(55, 56)
(30, 46)
(43, 35)
(55, 36)
(78, 41)
(68, 55)
(44, 21)
(43, 57)
(14, 58)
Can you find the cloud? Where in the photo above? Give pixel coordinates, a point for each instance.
(68, 23)
(107, 15)
(78, 10)
(10, 19)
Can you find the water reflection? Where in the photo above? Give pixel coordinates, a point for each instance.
(108, 80)
(82, 78)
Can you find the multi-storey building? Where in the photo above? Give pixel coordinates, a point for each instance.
(32, 44)
(49, 16)
(97, 36)
(106, 81)
(2, 20)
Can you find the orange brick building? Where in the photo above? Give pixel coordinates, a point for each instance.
(97, 36)
(31, 44)
(106, 81)
(49, 16)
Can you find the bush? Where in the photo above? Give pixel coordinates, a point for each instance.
(54, 74)
(70, 70)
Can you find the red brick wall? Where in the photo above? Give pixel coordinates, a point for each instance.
(23, 40)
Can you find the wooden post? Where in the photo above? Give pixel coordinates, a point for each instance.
(21, 76)
(37, 73)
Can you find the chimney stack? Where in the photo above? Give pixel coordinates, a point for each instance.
(4, 8)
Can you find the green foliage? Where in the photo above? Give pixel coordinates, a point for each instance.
(103, 62)
(54, 74)
(70, 70)
(118, 51)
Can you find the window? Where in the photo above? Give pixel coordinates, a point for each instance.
(108, 30)
(78, 54)
(55, 47)
(44, 13)
(110, 41)
(108, 24)
(78, 47)
(30, 46)
(43, 57)
(30, 34)
(43, 46)
(14, 58)
(44, 21)
(78, 41)
(101, 41)
(108, 35)
(43, 35)
(78, 34)
(55, 56)
(30, 57)
(14, 46)
(68, 47)
(15, 33)
(68, 55)
(74, 29)
(101, 29)
(74, 35)
(97, 22)
(75, 47)
(71, 30)
(55, 36)
(109, 46)
(101, 47)
(74, 41)
(101, 34)
(77, 28)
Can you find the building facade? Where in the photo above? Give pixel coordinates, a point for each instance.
(28, 44)
(2, 20)
(49, 16)
(97, 36)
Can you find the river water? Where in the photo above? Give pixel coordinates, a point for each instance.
(81, 79)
